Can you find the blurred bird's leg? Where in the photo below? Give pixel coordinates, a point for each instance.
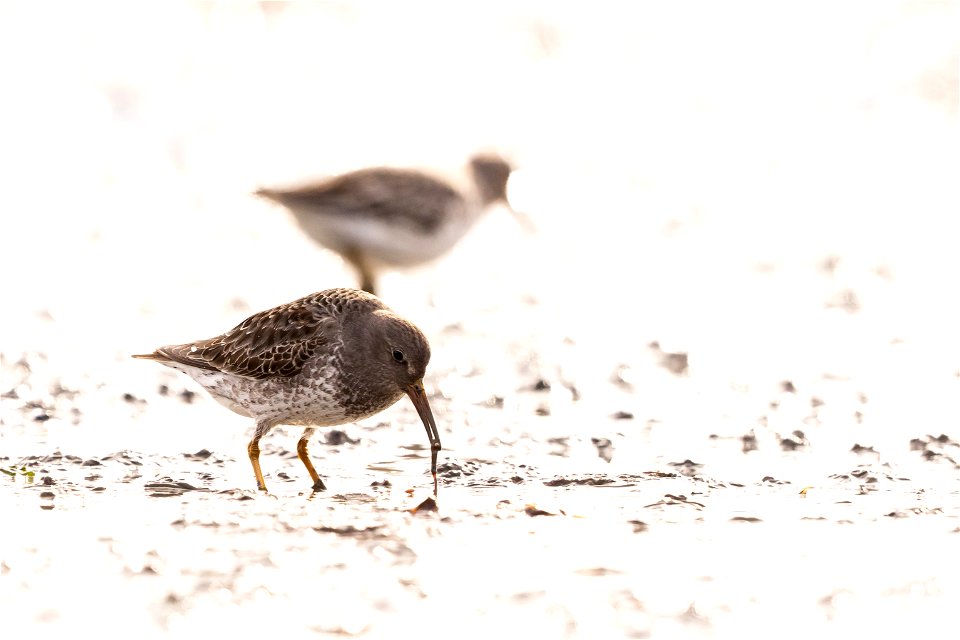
(367, 283)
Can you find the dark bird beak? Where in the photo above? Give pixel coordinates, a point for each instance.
(419, 398)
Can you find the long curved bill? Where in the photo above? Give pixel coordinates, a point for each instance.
(419, 398)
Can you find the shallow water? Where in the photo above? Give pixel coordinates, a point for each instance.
(715, 394)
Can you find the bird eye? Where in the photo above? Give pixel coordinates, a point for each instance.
(398, 355)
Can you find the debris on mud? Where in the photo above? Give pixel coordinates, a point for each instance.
(687, 467)
(934, 448)
(671, 499)
(352, 531)
(532, 510)
(796, 440)
(429, 504)
(451, 470)
(337, 437)
(677, 363)
(166, 487)
(604, 447)
(592, 481)
(639, 526)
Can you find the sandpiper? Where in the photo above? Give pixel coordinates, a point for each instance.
(336, 356)
(386, 217)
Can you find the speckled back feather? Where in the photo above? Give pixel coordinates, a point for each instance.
(275, 343)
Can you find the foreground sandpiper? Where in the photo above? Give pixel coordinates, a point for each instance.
(385, 217)
(336, 356)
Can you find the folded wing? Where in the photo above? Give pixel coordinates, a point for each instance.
(275, 343)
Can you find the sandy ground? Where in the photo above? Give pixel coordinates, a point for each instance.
(713, 395)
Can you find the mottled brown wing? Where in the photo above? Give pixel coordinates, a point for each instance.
(273, 343)
(416, 198)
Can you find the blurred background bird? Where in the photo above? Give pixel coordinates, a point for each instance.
(383, 217)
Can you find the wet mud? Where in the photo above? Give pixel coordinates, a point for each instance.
(540, 516)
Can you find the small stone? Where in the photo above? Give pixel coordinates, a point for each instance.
(430, 504)
(532, 510)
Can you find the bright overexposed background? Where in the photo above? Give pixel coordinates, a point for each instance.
(691, 169)
(769, 188)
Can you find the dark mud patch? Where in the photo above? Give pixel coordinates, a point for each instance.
(670, 500)
(940, 448)
(471, 471)
(167, 487)
(182, 523)
(336, 438)
(620, 480)
(200, 455)
(863, 450)
(453, 470)
(592, 481)
(796, 440)
(639, 526)
(369, 532)
(687, 468)
(351, 498)
(915, 511)
(677, 363)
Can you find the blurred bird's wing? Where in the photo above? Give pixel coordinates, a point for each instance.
(410, 196)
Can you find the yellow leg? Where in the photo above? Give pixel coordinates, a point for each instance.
(253, 450)
(305, 459)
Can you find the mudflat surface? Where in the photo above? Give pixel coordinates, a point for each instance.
(714, 394)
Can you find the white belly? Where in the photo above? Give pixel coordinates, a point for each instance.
(380, 243)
